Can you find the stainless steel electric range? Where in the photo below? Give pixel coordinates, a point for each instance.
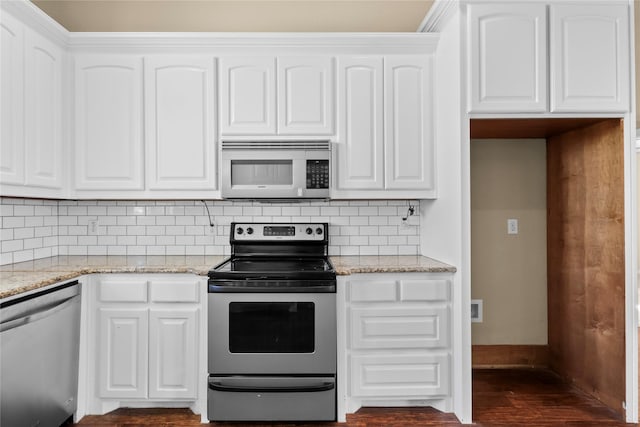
(272, 326)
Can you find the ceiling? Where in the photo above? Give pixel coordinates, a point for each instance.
(238, 15)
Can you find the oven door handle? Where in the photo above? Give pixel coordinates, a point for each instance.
(218, 385)
(221, 288)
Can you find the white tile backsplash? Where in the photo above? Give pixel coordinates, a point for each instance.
(34, 229)
(29, 229)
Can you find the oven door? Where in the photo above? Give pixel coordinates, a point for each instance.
(272, 333)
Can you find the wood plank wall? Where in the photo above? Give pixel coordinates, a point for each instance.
(585, 259)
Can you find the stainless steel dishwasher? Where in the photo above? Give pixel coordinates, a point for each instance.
(39, 343)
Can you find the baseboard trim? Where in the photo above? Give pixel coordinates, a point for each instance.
(506, 356)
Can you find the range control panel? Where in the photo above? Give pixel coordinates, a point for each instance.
(317, 173)
(286, 231)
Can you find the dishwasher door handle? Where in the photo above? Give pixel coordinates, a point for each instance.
(38, 315)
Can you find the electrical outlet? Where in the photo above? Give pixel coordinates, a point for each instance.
(512, 226)
(92, 227)
(209, 230)
(476, 311)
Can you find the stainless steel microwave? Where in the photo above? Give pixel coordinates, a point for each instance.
(275, 169)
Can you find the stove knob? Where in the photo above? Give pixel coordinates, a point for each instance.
(239, 230)
(309, 230)
(249, 230)
(319, 230)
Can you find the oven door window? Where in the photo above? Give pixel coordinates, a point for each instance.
(271, 327)
(261, 172)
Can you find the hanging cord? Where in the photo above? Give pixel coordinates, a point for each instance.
(410, 211)
(211, 224)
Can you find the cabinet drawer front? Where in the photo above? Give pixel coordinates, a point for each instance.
(372, 291)
(397, 375)
(174, 291)
(123, 291)
(424, 290)
(415, 327)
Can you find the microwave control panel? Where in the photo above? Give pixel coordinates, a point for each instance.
(317, 173)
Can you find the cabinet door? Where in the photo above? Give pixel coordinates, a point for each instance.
(305, 95)
(173, 351)
(400, 375)
(360, 145)
(108, 122)
(409, 138)
(123, 353)
(589, 57)
(12, 87)
(180, 134)
(247, 96)
(507, 48)
(43, 121)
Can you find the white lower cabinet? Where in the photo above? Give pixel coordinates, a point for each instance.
(398, 340)
(172, 353)
(148, 338)
(123, 352)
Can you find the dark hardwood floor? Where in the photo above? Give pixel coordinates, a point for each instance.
(501, 398)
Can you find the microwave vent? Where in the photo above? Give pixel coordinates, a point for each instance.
(276, 145)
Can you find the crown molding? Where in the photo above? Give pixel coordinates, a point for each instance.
(31, 15)
(438, 16)
(338, 42)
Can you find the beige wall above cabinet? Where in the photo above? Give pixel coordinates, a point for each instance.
(179, 127)
(31, 161)
(386, 142)
(108, 122)
(588, 57)
(266, 96)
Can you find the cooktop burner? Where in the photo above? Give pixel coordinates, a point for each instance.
(263, 258)
(266, 265)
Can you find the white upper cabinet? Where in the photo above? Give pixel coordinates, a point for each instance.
(12, 87)
(43, 119)
(248, 96)
(361, 140)
(409, 136)
(108, 122)
(305, 95)
(269, 96)
(385, 139)
(588, 51)
(589, 57)
(508, 57)
(31, 156)
(180, 123)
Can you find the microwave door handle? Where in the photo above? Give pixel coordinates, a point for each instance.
(219, 385)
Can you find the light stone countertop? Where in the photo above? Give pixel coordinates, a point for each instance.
(27, 276)
(346, 265)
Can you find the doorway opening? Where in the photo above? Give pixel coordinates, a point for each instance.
(548, 249)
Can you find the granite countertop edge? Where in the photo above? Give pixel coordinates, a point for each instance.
(17, 279)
